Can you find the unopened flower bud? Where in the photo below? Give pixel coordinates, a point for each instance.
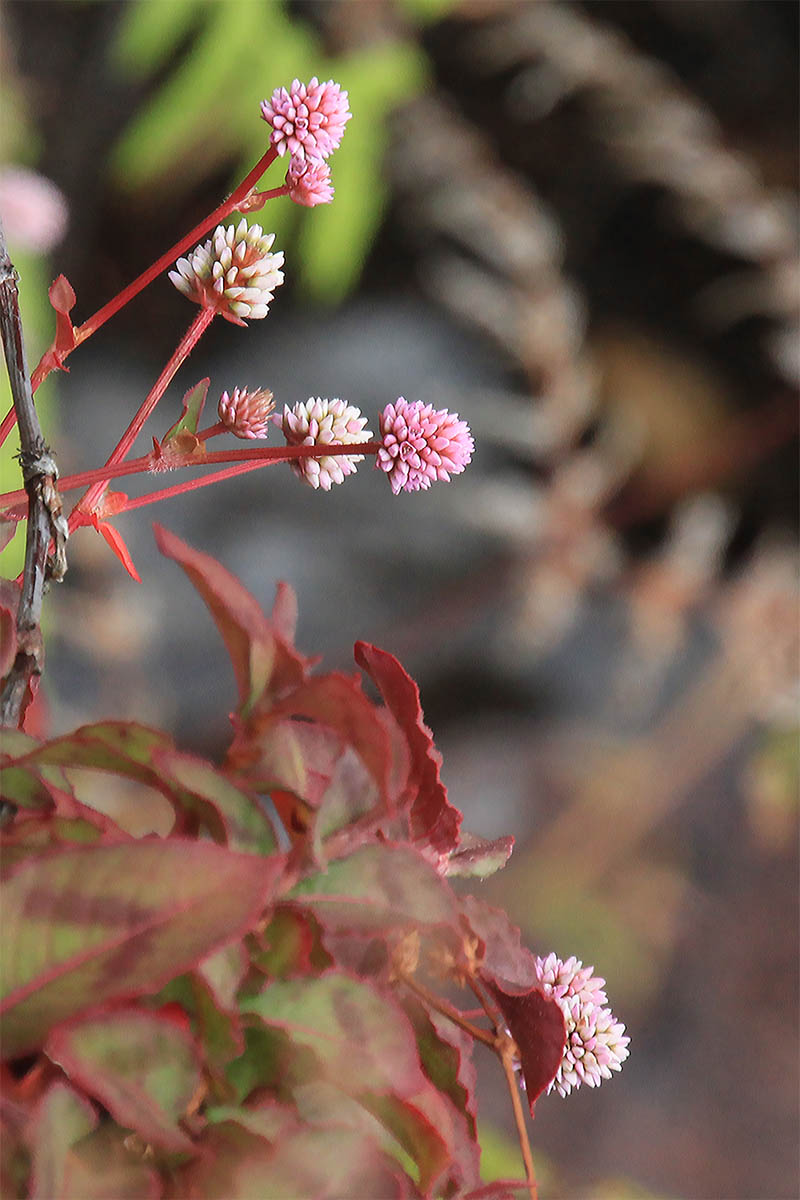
(309, 183)
(246, 414)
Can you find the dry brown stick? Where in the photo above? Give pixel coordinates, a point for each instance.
(45, 519)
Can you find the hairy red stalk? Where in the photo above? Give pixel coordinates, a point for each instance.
(119, 301)
(203, 435)
(191, 485)
(244, 460)
(182, 351)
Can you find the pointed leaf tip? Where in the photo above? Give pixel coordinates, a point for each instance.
(434, 820)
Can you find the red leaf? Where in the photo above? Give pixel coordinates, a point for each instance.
(8, 640)
(89, 925)
(505, 959)
(337, 701)
(537, 1026)
(7, 530)
(434, 821)
(140, 1065)
(286, 755)
(509, 969)
(284, 612)
(117, 543)
(264, 663)
(62, 298)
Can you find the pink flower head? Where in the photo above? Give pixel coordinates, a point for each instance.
(308, 120)
(309, 183)
(324, 422)
(421, 445)
(233, 272)
(33, 210)
(596, 1042)
(246, 414)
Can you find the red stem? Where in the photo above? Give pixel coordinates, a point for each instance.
(244, 460)
(119, 301)
(203, 435)
(191, 485)
(182, 351)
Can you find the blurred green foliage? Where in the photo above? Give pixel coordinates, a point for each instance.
(217, 62)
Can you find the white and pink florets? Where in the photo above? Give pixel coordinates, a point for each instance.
(323, 422)
(596, 1042)
(308, 120)
(421, 445)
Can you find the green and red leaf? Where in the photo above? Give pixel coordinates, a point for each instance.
(142, 1066)
(379, 888)
(89, 925)
(359, 1035)
(62, 1118)
(192, 407)
(264, 663)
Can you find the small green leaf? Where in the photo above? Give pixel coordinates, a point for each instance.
(193, 403)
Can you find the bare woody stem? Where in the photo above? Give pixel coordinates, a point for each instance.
(45, 520)
(182, 351)
(222, 211)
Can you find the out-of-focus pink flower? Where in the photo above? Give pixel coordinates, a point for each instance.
(422, 444)
(33, 210)
(596, 1042)
(308, 120)
(233, 272)
(246, 413)
(309, 183)
(324, 422)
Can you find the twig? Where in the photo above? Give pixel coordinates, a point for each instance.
(506, 1050)
(448, 1010)
(45, 518)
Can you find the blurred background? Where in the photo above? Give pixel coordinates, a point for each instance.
(576, 225)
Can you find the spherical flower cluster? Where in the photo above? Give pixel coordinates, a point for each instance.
(307, 120)
(309, 183)
(421, 445)
(596, 1042)
(246, 414)
(32, 209)
(233, 272)
(324, 422)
